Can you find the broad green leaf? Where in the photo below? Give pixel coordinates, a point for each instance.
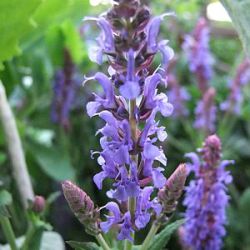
(54, 162)
(52, 12)
(239, 13)
(161, 239)
(52, 241)
(15, 21)
(83, 245)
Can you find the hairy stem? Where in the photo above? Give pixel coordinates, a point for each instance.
(19, 167)
(150, 236)
(8, 232)
(102, 242)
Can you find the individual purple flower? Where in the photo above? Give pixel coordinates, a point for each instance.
(206, 198)
(206, 112)
(200, 60)
(235, 98)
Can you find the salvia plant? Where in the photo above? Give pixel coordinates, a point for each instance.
(130, 154)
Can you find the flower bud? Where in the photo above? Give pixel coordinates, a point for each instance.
(38, 204)
(82, 206)
(211, 150)
(172, 191)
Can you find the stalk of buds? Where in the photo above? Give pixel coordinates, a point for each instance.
(172, 190)
(82, 206)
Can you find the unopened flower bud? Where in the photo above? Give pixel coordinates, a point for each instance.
(82, 206)
(172, 191)
(38, 204)
(211, 150)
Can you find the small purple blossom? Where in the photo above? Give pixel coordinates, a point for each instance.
(200, 60)
(206, 198)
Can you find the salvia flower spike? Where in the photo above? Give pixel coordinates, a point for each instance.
(130, 156)
(206, 197)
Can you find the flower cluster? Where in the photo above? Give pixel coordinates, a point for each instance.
(235, 98)
(130, 153)
(206, 197)
(199, 56)
(64, 92)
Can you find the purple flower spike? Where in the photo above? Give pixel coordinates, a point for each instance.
(235, 98)
(206, 199)
(130, 156)
(198, 54)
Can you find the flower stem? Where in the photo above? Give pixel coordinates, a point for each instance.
(102, 242)
(150, 236)
(8, 232)
(132, 200)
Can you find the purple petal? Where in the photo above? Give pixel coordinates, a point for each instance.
(158, 178)
(98, 179)
(92, 108)
(130, 90)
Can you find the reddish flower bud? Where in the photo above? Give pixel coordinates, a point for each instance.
(172, 191)
(82, 206)
(38, 204)
(211, 151)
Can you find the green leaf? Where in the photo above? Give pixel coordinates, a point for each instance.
(83, 245)
(64, 36)
(55, 162)
(52, 241)
(15, 20)
(5, 198)
(239, 13)
(161, 239)
(52, 12)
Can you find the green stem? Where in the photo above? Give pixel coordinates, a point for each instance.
(30, 233)
(150, 236)
(8, 232)
(102, 242)
(132, 201)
